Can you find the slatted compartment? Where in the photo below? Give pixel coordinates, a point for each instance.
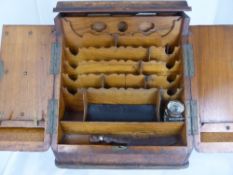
(124, 63)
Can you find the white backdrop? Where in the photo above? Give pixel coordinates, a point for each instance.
(40, 12)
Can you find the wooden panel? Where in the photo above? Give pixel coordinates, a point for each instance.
(121, 6)
(212, 86)
(138, 31)
(216, 137)
(134, 157)
(26, 85)
(16, 134)
(121, 128)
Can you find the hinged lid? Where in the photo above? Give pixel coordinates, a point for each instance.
(26, 86)
(133, 6)
(212, 87)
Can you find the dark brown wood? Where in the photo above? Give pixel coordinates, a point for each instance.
(81, 156)
(212, 87)
(121, 6)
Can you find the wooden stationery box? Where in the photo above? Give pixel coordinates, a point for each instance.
(95, 85)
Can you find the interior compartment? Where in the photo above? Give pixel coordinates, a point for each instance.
(118, 75)
(165, 134)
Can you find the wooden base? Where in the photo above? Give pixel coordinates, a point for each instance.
(89, 166)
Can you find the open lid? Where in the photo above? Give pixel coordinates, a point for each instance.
(133, 6)
(212, 87)
(26, 86)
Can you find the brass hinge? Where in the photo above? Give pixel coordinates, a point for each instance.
(188, 60)
(1, 69)
(192, 118)
(52, 116)
(55, 62)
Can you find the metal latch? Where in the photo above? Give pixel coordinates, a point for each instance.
(52, 116)
(192, 118)
(1, 69)
(119, 148)
(188, 60)
(55, 62)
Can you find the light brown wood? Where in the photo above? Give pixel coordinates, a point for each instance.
(217, 137)
(212, 86)
(21, 135)
(120, 128)
(78, 31)
(76, 55)
(121, 81)
(122, 96)
(117, 53)
(107, 67)
(80, 25)
(26, 86)
(127, 67)
(160, 68)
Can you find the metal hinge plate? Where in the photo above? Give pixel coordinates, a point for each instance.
(55, 62)
(192, 117)
(52, 116)
(188, 60)
(1, 69)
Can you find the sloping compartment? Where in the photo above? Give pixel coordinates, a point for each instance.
(212, 87)
(26, 86)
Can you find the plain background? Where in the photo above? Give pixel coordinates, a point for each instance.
(40, 12)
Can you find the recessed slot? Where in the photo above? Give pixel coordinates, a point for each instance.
(107, 67)
(169, 65)
(122, 26)
(73, 51)
(171, 91)
(172, 94)
(159, 54)
(171, 78)
(107, 54)
(121, 112)
(99, 26)
(74, 66)
(74, 131)
(72, 91)
(71, 115)
(73, 76)
(155, 81)
(82, 81)
(160, 68)
(169, 49)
